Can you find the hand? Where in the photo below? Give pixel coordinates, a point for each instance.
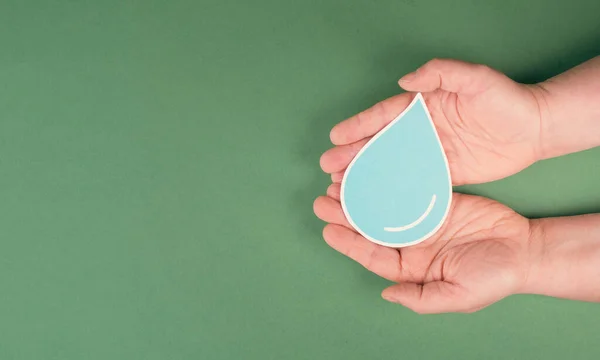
(479, 256)
(488, 124)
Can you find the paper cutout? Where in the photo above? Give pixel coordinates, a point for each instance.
(397, 190)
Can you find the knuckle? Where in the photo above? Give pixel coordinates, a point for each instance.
(434, 63)
(482, 69)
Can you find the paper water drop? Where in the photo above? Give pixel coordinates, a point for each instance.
(397, 190)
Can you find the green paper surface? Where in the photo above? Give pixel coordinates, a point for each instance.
(159, 159)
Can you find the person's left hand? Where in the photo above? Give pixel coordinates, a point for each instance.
(479, 256)
(489, 126)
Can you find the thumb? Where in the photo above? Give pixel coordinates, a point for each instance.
(449, 75)
(430, 298)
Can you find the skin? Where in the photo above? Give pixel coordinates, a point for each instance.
(484, 251)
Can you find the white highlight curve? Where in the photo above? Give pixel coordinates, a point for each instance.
(416, 222)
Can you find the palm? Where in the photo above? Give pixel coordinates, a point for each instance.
(471, 262)
(477, 252)
(487, 135)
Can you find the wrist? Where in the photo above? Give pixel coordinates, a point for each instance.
(568, 111)
(562, 258)
(542, 95)
(535, 250)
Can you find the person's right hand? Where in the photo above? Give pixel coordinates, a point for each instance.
(488, 124)
(480, 255)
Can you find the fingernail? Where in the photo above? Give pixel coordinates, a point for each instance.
(408, 77)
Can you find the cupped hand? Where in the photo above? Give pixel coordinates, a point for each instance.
(488, 124)
(479, 256)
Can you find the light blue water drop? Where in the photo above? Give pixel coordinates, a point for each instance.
(397, 190)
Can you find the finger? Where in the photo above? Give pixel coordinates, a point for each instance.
(333, 191)
(449, 75)
(330, 211)
(431, 298)
(337, 177)
(378, 259)
(370, 121)
(339, 157)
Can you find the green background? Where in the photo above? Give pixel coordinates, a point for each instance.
(159, 159)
